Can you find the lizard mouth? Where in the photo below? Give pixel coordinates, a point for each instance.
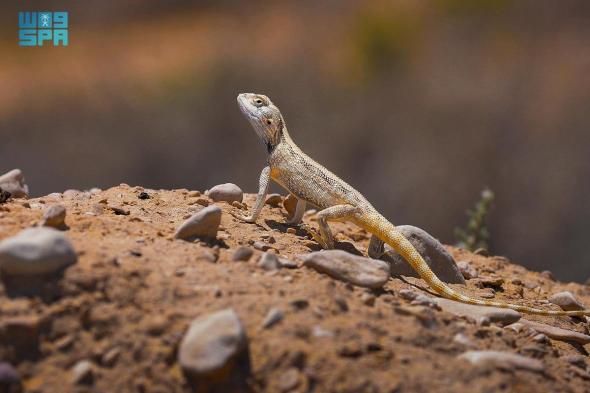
(249, 111)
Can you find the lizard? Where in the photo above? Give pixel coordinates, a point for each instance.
(312, 183)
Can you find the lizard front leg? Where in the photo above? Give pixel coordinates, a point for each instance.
(262, 191)
(334, 213)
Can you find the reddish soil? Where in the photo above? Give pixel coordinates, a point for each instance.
(128, 301)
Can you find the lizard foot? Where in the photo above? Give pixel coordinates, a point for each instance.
(248, 219)
(326, 244)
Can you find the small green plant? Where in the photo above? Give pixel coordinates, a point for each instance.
(476, 235)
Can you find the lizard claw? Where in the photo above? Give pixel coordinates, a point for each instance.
(326, 244)
(248, 219)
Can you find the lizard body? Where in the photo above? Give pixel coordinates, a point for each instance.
(338, 201)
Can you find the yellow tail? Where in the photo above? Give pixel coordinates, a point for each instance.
(387, 232)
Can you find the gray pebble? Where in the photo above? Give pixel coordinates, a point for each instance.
(54, 216)
(82, 372)
(273, 317)
(227, 192)
(71, 193)
(261, 246)
(243, 253)
(567, 301)
(463, 340)
(467, 270)
(9, 377)
(215, 345)
(269, 261)
(502, 360)
(504, 316)
(36, 251)
(203, 224)
(541, 338)
(353, 269)
(288, 264)
(289, 380)
(368, 299)
(14, 183)
(557, 333)
(433, 252)
(576, 360)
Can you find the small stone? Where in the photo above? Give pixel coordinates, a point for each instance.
(14, 183)
(516, 327)
(215, 349)
(289, 380)
(287, 263)
(368, 299)
(71, 193)
(82, 373)
(143, 195)
(502, 360)
(194, 194)
(318, 331)
(341, 303)
(541, 338)
(54, 216)
(36, 251)
(120, 211)
(274, 200)
(581, 373)
(300, 304)
(576, 360)
(227, 192)
(291, 230)
(504, 316)
(260, 246)
(237, 204)
(203, 202)
(269, 261)
(548, 275)
(423, 300)
(350, 350)
(273, 317)
(243, 253)
(433, 252)
(567, 301)
(290, 205)
(4, 196)
(111, 356)
(463, 340)
(156, 325)
(353, 269)
(408, 294)
(557, 333)
(467, 270)
(490, 282)
(423, 314)
(203, 224)
(9, 378)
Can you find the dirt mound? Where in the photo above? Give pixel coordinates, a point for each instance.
(115, 320)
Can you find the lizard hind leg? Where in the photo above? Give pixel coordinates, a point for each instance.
(332, 213)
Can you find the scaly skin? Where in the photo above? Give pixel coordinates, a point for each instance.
(311, 182)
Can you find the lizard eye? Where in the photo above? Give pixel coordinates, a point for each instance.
(258, 102)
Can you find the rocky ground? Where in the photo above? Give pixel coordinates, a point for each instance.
(150, 291)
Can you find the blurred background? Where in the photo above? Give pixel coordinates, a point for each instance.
(419, 104)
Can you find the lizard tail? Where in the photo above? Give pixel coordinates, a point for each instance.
(387, 232)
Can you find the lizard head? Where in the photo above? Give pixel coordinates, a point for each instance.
(264, 116)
